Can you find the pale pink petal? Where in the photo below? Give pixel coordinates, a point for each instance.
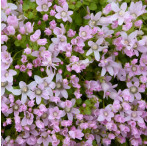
(38, 79)
(97, 55)
(64, 93)
(22, 84)
(70, 116)
(39, 8)
(39, 141)
(38, 100)
(24, 122)
(103, 71)
(138, 96)
(123, 6)
(89, 52)
(120, 21)
(115, 7)
(65, 7)
(58, 77)
(24, 98)
(110, 70)
(75, 111)
(16, 91)
(100, 118)
(59, 9)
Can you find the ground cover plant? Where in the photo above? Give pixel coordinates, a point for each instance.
(73, 73)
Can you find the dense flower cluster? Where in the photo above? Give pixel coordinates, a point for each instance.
(71, 82)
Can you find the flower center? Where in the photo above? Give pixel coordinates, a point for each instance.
(93, 22)
(44, 116)
(55, 114)
(67, 109)
(28, 116)
(141, 68)
(6, 74)
(105, 61)
(134, 15)
(38, 91)
(126, 42)
(4, 84)
(45, 136)
(83, 33)
(25, 89)
(45, 84)
(95, 47)
(97, 131)
(133, 89)
(106, 114)
(144, 61)
(134, 68)
(44, 7)
(135, 46)
(121, 13)
(134, 114)
(62, 39)
(63, 14)
(20, 16)
(7, 63)
(58, 85)
(15, 107)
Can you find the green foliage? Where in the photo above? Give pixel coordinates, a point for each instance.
(93, 6)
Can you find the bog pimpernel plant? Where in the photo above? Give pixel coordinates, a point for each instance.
(73, 73)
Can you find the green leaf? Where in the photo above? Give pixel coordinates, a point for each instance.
(87, 102)
(71, 7)
(77, 19)
(78, 4)
(7, 132)
(93, 6)
(87, 111)
(25, 6)
(79, 101)
(33, 5)
(30, 15)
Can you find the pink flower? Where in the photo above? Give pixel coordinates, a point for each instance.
(27, 51)
(134, 115)
(38, 90)
(55, 113)
(35, 36)
(137, 9)
(76, 134)
(28, 119)
(105, 114)
(128, 41)
(43, 5)
(108, 65)
(11, 30)
(6, 60)
(12, 21)
(95, 19)
(85, 32)
(134, 88)
(40, 124)
(45, 139)
(96, 48)
(29, 27)
(48, 31)
(42, 42)
(63, 13)
(71, 33)
(7, 75)
(120, 13)
(68, 108)
(60, 88)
